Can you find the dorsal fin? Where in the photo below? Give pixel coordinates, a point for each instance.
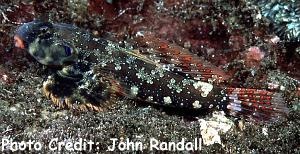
(180, 60)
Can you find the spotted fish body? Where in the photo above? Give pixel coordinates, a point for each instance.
(94, 70)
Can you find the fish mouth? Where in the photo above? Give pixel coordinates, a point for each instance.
(19, 43)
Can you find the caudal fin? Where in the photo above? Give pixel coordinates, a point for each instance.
(258, 105)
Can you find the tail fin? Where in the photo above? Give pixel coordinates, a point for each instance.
(259, 105)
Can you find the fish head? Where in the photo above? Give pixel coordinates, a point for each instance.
(44, 43)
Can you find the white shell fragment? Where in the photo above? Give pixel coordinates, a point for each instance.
(210, 129)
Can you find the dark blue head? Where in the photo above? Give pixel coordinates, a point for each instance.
(28, 32)
(45, 42)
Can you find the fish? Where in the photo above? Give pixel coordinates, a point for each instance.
(92, 72)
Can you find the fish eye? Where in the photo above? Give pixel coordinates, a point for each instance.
(68, 50)
(44, 29)
(45, 32)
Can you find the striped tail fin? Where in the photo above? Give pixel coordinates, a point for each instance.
(259, 105)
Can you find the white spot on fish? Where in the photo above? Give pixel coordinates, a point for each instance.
(134, 90)
(150, 98)
(204, 87)
(197, 105)
(167, 100)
